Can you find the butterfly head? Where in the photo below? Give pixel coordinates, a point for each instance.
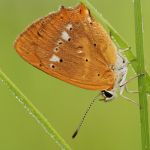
(108, 95)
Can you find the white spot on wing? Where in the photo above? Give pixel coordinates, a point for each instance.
(79, 52)
(51, 65)
(69, 26)
(56, 49)
(89, 20)
(59, 42)
(65, 36)
(54, 58)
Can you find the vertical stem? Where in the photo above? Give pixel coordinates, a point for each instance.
(141, 79)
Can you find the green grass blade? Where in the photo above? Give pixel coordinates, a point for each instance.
(119, 40)
(141, 79)
(35, 113)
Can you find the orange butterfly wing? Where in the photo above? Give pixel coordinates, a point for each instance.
(70, 45)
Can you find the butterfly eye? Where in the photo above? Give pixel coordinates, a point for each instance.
(107, 94)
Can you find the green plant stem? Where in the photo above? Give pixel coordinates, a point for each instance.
(35, 113)
(119, 40)
(141, 79)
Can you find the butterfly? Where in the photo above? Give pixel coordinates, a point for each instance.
(72, 46)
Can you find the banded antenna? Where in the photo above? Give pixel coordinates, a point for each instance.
(84, 116)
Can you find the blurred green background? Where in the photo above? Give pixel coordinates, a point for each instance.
(109, 126)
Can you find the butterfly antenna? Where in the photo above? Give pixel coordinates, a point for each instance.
(84, 116)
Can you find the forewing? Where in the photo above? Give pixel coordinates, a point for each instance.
(72, 46)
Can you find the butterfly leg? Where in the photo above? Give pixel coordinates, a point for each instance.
(124, 50)
(130, 91)
(131, 79)
(130, 100)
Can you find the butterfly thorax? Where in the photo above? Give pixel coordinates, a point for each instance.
(121, 73)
